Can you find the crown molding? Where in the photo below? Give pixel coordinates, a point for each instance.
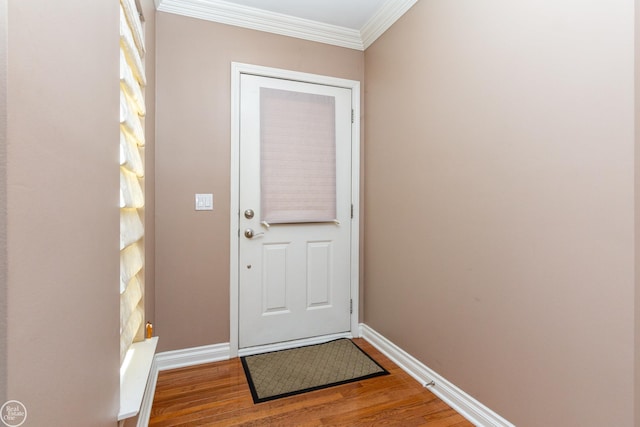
(384, 18)
(257, 19)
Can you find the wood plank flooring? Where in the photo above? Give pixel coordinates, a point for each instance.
(218, 394)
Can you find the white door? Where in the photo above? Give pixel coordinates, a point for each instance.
(295, 210)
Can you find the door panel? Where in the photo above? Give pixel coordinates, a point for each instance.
(295, 177)
(319, 277)
(274, 278)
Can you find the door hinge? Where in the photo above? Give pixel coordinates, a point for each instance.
(352, 118)
(352, 211)
(350, 306)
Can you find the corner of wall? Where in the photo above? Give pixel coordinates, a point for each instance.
(3, 199)
(636, 164)
(149, 14)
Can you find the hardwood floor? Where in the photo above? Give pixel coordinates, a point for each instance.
(218, 394)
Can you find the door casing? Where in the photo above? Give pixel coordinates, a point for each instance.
(236, 70)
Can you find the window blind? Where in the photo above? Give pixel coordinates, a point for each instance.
(132, 111)
(297, 157)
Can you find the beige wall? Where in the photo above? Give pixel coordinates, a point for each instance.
(62, 199)
(193, 154)
(499, 148)
(500, 202)
(3, 200)
(637, 212)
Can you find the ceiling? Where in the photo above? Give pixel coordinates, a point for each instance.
(354, 24)
(343, 13)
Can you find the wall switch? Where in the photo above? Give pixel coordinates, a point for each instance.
(204, 202)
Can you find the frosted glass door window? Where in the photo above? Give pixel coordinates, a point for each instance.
(297, 157)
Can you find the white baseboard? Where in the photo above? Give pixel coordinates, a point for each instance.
(192, 356)
(463, 403)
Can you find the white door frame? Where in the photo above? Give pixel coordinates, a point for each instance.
(236, 70)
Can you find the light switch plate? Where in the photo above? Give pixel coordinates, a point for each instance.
(204, 202)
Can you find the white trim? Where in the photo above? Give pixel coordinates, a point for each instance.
(236, 70)
(291, 344)
(134, 376)
(147, 401)
(192, 356)
(463, 403)
(263, 20)
(384, 18)
(355, 201)
(237, 15)
(234, 227)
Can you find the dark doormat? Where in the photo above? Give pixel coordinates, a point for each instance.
(299, 370)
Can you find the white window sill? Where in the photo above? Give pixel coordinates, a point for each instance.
(134, 374)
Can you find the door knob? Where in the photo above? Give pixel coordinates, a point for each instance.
(248, 213)
(249, 234)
